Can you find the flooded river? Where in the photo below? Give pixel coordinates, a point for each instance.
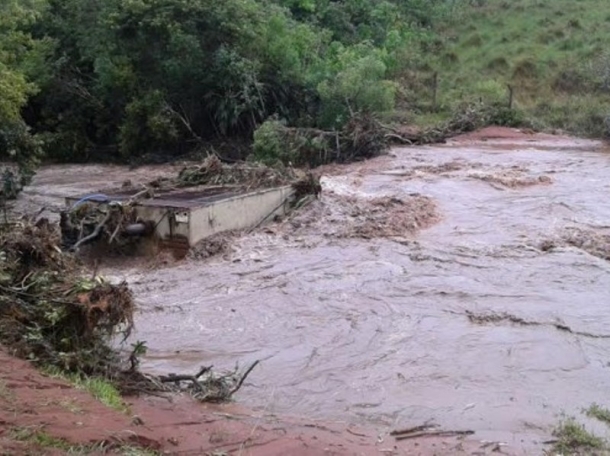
(493, 315)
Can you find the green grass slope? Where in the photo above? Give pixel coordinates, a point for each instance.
(554, 53)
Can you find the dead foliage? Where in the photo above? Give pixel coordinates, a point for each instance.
(244, 176)
(106, 223)
(511, 179)
(466, 118)
(493, 318)
(426, 431)
(362, 137)
(211, 246)
(48, 312)
(206, 386)
(240, 177)
(352, 217)
(53, 316)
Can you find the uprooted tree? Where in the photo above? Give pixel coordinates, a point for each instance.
(55, 317)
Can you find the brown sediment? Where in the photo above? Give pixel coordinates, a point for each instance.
(504, 138)
(32, 402)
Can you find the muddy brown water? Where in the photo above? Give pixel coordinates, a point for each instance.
(376, 331)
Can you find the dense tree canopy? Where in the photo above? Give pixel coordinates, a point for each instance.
(108, 79)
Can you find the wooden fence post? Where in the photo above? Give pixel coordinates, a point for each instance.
(434, 91)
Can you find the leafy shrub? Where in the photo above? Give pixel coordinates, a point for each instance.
(20, 56)
(357, 85)
(149, 124)
(269, 145)
(491, 92)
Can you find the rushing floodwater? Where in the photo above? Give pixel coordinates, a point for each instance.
(376, 331)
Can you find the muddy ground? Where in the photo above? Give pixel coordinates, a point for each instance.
(41, 416)
(464, 285)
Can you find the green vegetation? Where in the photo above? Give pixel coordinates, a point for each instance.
(130, 80)
(574, 439)
(552, 52)
(600, 413)
(21, 68)
(100, 388)
(41, 440)
(123, 79)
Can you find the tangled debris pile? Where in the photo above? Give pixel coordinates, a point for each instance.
(212, 246)
(245, 176)
(352, 217)
(212, 388)
(512, 178)
(241, 176)
(592, 242)
(49, 313)
(54, 317)
(466, 118)
(113, 223)
(360, 138)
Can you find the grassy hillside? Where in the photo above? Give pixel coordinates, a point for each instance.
(554, 53)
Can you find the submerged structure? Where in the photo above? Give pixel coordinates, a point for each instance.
(179, 219)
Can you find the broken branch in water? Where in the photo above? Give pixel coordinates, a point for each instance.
(146, 192)
(423, 427)
(399, 138)
(173, 378)
(95, 234)
(194, 379)
(243, 377)
(211, 388)
(432, 433)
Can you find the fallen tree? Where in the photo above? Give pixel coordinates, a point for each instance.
(466, 117)
(362, 137)
(49, 313)
(54, 316)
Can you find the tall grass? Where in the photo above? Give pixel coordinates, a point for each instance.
(553, 53)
